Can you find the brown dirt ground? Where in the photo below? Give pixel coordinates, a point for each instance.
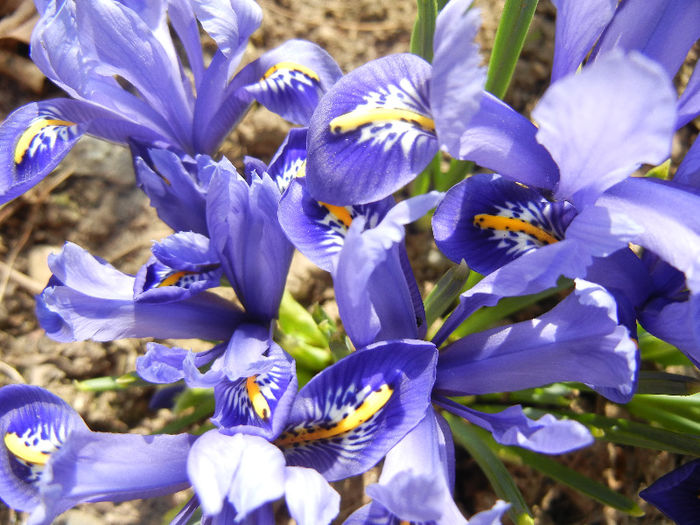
(91, 200)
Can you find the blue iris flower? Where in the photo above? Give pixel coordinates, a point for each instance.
(119, 63)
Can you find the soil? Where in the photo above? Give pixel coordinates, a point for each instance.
(91, 200)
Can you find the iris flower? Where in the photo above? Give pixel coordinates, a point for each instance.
(120, 65)
(50, 461)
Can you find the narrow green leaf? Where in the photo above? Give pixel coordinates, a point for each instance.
(446, 290)
(653, 382)
(107, 383)
(457, 171)
(562, 474)
(510, 37)
(193, 405)
(424, 29)
(654, 349)
(503, 484)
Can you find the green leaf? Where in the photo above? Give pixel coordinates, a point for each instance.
(192, 406)
(457, 171)
(295, 320)
(424, 29)
(472, 439)
(662, 171)
(510, 37)
(678, 413)
(653, 382)
(108, 383)
(446, 290)
(564, 475)
(654, 349)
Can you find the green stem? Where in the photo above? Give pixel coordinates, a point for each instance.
(424, 29)
(510, 37)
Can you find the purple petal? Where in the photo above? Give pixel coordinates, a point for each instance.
(501, 139)
(163, 364)
(546, 435)
(351, 414)
(663, 30)
(688, 172)
(310, 499)
(603, 123)
(414, 484)
(245, 231)
(676, 493)
(661, 208)
(677, 323)
(229, 23)
(579, 24)
(245, 471)
(457, 79)
(372, 132)
(489, 221)
(578, 340)
(289, 158)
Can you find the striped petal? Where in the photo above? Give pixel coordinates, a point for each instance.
(289, 160)
(372, 133)
(33, 424)
(258, 404)
(33, 140)
(489, 221)
(318, 230)
(351, 414)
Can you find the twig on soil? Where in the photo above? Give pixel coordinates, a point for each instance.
(23, 280)
(26, 232)
(11, 372)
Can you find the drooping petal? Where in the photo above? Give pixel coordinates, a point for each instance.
(579, 24)
(351, 414)
(292, 78)
(259, 403)
(501, 139)
(182, 265)
(241, 470)
(489, 221)
(33, 424)
(676, 493)
(372, 133)
(33, 140)
(89, 299)
(254, 251)
(546, 435)
(601, 124)
(164, 364)
(578, 340)
(662, 210)
(677, 323)
(318, 230)
(457, 79)
(288, 162)
(663, 30)
(310, 499)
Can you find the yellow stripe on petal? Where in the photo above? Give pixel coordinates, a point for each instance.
(25, 140)
(291, 66)
(174, 278)
(260, 405)
(19, 448)
(339, 212)
(372, 404)
(497, 222)
(361, 117)
(301, 172)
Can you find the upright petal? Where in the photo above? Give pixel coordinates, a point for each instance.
(579, 24)
(603, 123)
(310, 498)
(254, 251)
(372, 133)
(457, 79)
